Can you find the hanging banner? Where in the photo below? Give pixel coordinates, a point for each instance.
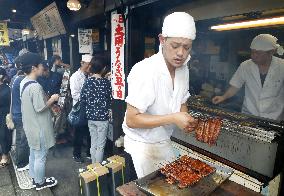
(4, 35)
(48, 22)
(85, 41)
(117, 56)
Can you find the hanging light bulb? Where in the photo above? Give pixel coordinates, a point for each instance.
(25, 32)
(73, 5)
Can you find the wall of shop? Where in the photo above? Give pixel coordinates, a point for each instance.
(220, 8)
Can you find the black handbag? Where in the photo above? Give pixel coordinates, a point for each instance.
(77, 116)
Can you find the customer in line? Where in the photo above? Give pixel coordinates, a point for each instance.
(96, 94)
(50, 80)
(37, 122)
(5, 133)
(77, 81)
(22, 148)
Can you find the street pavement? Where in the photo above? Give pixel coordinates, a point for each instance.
(59, 164)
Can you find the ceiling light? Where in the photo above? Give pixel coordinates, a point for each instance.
(25, 32)
(249, 24)
(14, 11)
(73, 5)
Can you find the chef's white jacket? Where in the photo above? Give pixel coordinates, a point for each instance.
(265, 101)
(77, 81)
(150, 90)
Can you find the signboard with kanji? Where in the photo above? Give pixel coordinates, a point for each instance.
(4, 36)
(48, 22)
(117, 56)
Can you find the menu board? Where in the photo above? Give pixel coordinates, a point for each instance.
(48, 22)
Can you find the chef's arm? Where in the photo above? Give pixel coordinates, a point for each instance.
(136, 120)
(231, 91)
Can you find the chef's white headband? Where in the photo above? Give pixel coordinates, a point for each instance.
(179, 24)
(266, 42)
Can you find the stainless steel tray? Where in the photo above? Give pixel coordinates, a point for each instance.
(154, 184)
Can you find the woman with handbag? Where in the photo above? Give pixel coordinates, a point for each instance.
(5, 133)
(96, 96)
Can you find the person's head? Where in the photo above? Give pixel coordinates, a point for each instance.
(18, 62)
(18, 59)
(178, 32)
(263, 47)
(98, 65)
(3, 76)
(23, 51)
(85, 63)
(55, 60)
(46, 68)
(31, 64)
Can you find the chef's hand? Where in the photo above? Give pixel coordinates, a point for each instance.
(192, 126)
(183, 120)
(218, 99)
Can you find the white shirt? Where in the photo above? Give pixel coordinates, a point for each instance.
(77, 81)
(265, 101)
(150, 90)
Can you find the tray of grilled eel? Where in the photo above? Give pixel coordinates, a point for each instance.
(185, 176)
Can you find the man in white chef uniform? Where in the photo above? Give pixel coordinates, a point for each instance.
(157, 95)
(263, 77)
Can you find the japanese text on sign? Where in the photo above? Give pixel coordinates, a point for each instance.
(85, 41)
(117, 57)
(4, 37)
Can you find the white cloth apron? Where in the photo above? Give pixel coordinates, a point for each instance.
(148, 157)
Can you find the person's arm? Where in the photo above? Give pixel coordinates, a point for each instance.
(75, 88)
(83, 96)
(38, 99)
(231, 91)
(135, 119)
(236, 83)
(5, 97)
(66, 66)
(51, 101)
(109, 95)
